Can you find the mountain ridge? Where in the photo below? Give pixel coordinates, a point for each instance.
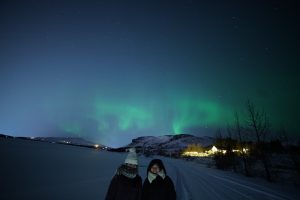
(168, 144)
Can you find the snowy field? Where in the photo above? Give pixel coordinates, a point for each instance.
(37, 170)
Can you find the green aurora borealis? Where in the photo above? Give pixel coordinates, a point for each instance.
(179, 115)
(109, 72)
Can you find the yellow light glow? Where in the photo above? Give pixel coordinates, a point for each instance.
(211, 152)
(195, 154)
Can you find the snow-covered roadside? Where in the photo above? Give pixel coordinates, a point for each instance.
(206, 183)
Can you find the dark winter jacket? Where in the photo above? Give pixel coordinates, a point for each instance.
(124, 188)
(160, 188)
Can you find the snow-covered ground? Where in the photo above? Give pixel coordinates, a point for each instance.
(38, 170)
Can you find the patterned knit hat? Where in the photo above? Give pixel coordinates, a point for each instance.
(132, 157)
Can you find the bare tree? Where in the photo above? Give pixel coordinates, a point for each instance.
(289, 149)
(238, 131)
(226, 158)
(259, 125)
(230, 145)
(219, 138)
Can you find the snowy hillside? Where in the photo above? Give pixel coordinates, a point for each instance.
(38, 170)
(76, 141)
(169, 143)
(67, 140)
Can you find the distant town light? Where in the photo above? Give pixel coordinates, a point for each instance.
(195, 154)
(96, 145)
(245, 150)
(211, 152)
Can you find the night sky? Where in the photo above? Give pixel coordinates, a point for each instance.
(109, 71)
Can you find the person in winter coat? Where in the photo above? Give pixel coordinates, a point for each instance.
(157, 185)
(126, 183)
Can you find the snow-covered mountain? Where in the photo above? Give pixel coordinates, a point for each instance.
(65, 140)
(168, 143)
(76, 141)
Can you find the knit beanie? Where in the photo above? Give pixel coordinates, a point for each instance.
(132, 157)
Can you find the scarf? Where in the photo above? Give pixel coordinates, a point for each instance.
(151, 176)
(129, 172)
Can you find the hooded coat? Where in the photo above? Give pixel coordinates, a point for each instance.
(123, 187)
(161, 188)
